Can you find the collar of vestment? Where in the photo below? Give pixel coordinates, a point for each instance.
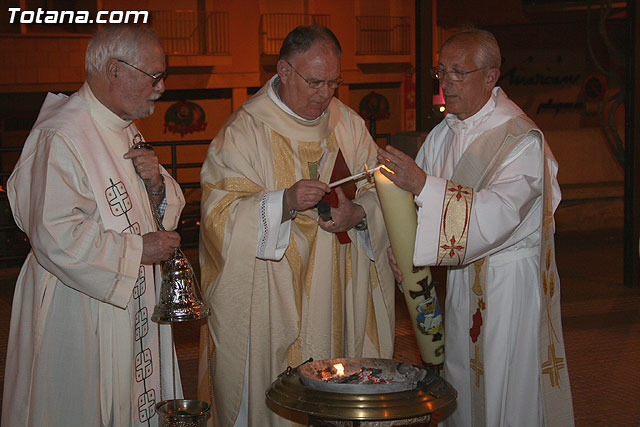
(100, 111)
(264, 108)
(497, 110)
(274, 94)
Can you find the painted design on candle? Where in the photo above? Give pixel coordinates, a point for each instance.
(430, 318)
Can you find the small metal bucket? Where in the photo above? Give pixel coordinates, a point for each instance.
(182, 413)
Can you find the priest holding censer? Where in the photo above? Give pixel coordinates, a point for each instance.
(485, 185)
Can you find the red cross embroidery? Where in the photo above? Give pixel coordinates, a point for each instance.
(453, 247)
(459, 191)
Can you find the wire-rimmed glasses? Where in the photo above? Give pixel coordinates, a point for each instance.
(454, 75)
(317, 84)
(156, 77)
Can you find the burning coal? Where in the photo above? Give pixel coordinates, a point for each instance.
(335, 374)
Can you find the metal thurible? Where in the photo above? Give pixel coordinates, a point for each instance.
(180, 298)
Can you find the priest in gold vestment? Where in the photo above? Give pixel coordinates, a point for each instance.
(282, 286)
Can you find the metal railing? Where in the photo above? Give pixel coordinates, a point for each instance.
(274, 27)
(189, 225)
(383, 35)
(192, 32)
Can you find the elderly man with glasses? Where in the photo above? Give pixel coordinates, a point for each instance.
(485, 185)
(82, 349)
(285, 284)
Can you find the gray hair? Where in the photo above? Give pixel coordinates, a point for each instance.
(302, 38)
(488, 52)
(115, 41)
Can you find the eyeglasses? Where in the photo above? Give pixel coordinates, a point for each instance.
(317, 84)
(156, 77)
(454, 75)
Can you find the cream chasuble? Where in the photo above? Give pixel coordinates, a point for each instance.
(322, 299)
(503, 136)
(127, 357)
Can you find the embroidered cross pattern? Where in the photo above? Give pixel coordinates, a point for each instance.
(132, 229)
(146, 404)
(141, 284)
(142, 323)
(476, 366)
(454, 228)
(143, 365)
(452, 248)
(118, 198)
(459, 191)
(553, 365)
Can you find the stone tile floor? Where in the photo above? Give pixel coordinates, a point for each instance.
(601, 319)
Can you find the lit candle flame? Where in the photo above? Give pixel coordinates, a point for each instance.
(340, 369)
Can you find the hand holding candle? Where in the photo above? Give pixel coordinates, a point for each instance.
(400, 218)
(407, 174)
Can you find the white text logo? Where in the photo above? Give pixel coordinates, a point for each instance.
(77, 17)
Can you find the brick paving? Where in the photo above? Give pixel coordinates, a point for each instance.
(601, 319)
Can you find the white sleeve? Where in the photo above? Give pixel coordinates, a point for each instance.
(429, 203)
(273, 235)
(55, 206)
(505, 213)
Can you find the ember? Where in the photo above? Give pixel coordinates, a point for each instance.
(364, 376)
(361, 375)
(337, 369)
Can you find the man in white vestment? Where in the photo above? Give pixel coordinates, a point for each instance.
(82, 349)
(485, 185)
(283, 283)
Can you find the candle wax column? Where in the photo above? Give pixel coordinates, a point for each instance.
(400, 217)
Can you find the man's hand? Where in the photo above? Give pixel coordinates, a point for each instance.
(394, 265)
(158, 246)
(147, 166)
(407, 174)
(344, 217)
(305, 194)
